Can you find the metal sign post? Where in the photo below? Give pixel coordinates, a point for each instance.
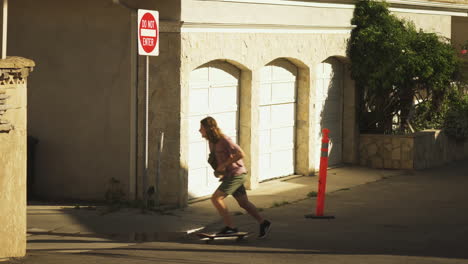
(148, 45)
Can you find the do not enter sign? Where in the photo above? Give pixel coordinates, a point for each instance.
(148, 32)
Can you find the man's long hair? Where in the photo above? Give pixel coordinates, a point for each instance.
(212, 130)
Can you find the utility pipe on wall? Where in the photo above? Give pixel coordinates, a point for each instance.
(5, 28)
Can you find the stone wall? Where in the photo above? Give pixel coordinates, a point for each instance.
(420, 150)
(386, 151)
(13, 73)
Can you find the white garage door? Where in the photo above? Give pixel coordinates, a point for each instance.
(213, 92)
(329, 109)
(277, 119)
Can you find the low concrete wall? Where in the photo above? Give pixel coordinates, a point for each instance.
(13, 73)
(434, 148)
(420, 150)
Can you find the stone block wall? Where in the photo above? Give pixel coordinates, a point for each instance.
(13, 73)
(420, 150)
(386, 151)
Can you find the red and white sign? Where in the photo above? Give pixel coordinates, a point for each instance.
(148, 32)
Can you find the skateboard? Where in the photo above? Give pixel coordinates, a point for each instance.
(210, 237)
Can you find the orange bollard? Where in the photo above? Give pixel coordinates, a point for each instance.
(322, 178)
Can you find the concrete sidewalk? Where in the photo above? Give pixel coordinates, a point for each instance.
(130, 225)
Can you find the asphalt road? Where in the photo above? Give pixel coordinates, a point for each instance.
(419, 217)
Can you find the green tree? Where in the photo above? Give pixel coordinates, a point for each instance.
(392, 64)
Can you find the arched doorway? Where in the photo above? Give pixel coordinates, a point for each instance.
(329, 109)
(214, 90)
(277, 114)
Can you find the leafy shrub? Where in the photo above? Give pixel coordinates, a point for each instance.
(456, 119)
(426, 118)
(391, 63)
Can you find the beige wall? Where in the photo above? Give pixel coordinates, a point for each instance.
(440, 24)
(164, 117)
(459, 31)
(169, 10)
(268, 14)
(14, 72)
(80, 97)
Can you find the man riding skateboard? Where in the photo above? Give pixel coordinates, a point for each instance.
(232, 173)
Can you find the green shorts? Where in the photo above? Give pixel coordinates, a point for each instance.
(233, 185)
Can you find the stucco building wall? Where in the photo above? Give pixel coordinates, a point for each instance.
(460, 31)
(248, 52)
(288, 13)
(439, 24)
(79, 100)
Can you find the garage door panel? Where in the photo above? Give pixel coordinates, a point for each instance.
(332, 109)
(334, 154)
(282, 138)
(198, 85)
(281, 162)
(265, 117)
(265, 74)
(229, 99)
(265, 161)
(327, 116)
(194, 127)
(335, 89)
(197, 155)
(198, 76)
(227, 122)
(211, 179)
(224, 74)
(283, 92)
(282, 115)
(334, 96)
(264, 138)
(197, 182)
(199, 103)
(327, 84)
(277, 119)
(196, 179)
(283, 70)
(265, 93)
(335, 132)
(318, 86)
(213, 92)
(329, 106)
(324, 70)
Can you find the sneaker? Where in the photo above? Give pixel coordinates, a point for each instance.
(227, 230)
(265, 228)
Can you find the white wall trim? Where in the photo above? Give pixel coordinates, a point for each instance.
(252, 28)
(455, 9)
(286, 3)
(429, 12)
(450, 6)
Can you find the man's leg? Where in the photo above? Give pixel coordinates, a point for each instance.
(244, 202)
(265, 225)
(218, 201)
